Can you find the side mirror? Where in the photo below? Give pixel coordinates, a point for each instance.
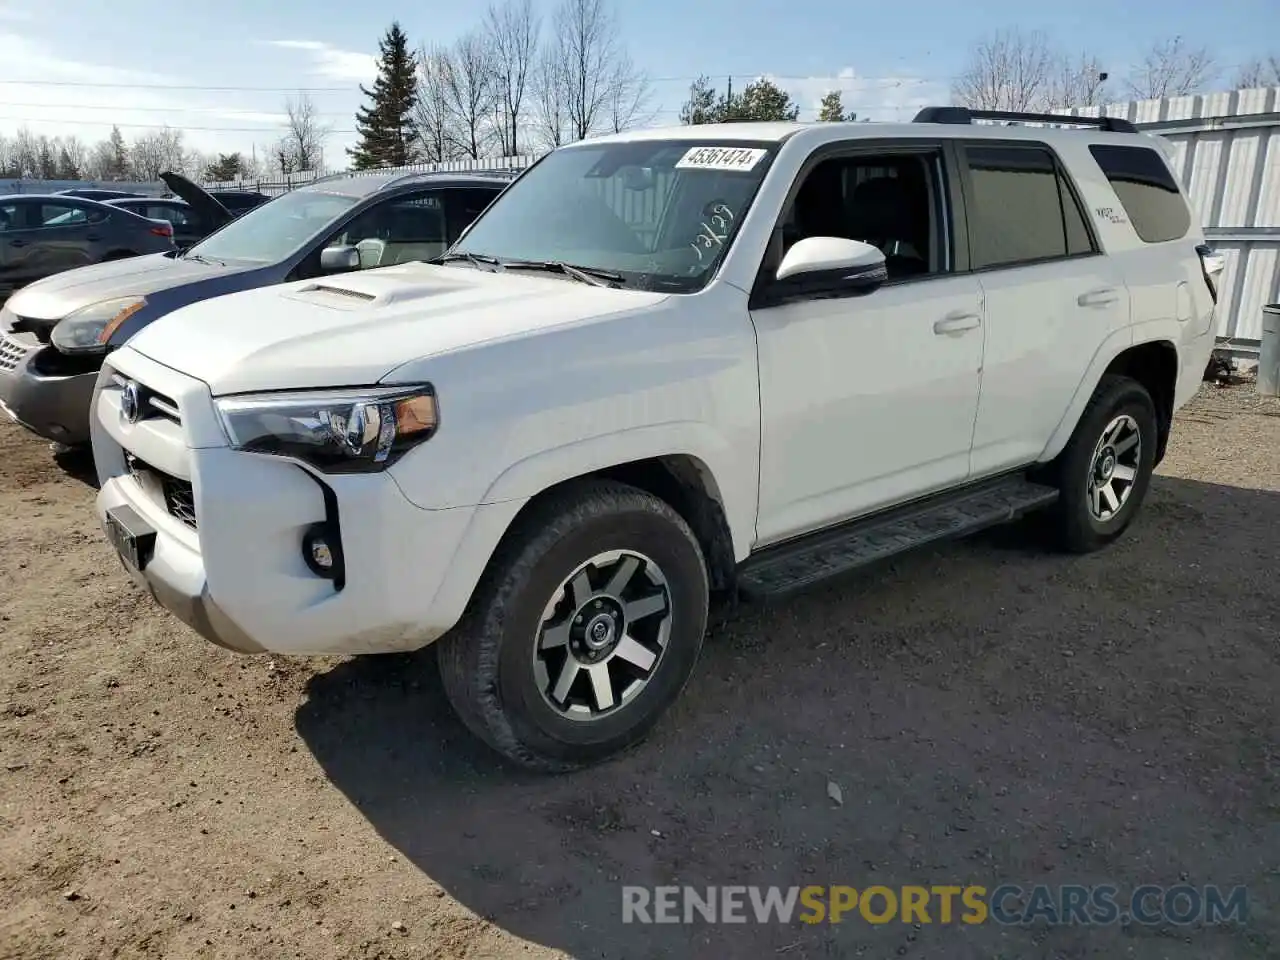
(833, 264)
(339, 259)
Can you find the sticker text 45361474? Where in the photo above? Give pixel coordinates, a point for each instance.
(720, 158)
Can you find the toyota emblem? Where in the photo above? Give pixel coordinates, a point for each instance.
(131, 402)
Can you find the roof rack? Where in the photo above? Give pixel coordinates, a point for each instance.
(964, 115)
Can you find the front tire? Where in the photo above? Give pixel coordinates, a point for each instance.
(1105, 471)
(583, 631)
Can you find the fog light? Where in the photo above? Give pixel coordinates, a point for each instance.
(318, 552)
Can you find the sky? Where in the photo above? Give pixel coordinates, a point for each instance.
(221, 72)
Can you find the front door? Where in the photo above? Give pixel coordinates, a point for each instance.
(868, 401)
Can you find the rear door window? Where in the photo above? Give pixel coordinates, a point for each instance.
(1147, 191)
(1021, 209)
(67, 215)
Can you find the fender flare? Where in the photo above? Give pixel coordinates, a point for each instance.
(736, 494)
(1110, 348)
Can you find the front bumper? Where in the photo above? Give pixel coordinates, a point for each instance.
(54, 406)
(233, 569)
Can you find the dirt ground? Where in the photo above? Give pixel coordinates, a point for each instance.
(990, 712)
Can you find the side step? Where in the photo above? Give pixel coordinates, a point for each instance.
(807, 560)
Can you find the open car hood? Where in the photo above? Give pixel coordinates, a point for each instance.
(209, 208)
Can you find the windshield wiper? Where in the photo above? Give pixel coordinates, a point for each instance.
(597, 278)
(202, 259)
(475, 259)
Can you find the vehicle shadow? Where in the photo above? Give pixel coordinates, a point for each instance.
(989, 712)
(77, 463)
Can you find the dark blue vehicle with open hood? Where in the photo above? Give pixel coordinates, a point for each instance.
(55, 332)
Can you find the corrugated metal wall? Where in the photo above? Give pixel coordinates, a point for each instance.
(1227, 150)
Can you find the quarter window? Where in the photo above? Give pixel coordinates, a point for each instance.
(1147, 191)
(1022, 209)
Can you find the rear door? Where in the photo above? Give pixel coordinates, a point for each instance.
(1050, 295)
(57, 235)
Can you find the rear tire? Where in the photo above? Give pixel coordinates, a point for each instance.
(1105, 471)
(583, 631)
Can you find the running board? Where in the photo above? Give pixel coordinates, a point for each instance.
(799, 563)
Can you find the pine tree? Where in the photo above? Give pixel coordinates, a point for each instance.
(759, 100)
(832, 109)
(387, 131)
(701, 105)
(118, 168)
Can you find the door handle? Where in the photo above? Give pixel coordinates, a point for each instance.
(1103, 297)
(17, 243)
(956, 323)
(93, 238)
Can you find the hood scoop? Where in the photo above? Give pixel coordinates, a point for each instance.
(338, 291)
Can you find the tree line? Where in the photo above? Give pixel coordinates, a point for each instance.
(511, 85)
(1023, 70)
(27, 155)
(514, 85)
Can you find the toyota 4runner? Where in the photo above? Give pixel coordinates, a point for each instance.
(663, 366)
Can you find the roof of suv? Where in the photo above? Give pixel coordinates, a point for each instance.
(782, 130)
(364, 184)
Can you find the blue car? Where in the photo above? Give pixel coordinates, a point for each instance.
(55, 332)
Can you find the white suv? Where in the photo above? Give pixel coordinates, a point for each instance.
(662, 366)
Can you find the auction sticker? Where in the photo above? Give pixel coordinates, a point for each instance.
(720, 158)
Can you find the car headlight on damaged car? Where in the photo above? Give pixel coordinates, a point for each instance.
(88, 329)
(359, 430)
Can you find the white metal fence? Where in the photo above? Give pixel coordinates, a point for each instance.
(273, 186)
(1227, 148)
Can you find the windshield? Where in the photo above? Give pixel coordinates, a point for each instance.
(658, 213)
(273, 231)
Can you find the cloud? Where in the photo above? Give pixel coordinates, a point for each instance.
(895, 97)
(333, 62)
(67, 98)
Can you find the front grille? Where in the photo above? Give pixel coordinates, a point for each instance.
(179, 499)
(11, 352)
(178, 495)
(151, 403)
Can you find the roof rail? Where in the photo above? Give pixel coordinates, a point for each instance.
(964, 115)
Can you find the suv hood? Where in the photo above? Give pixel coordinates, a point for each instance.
(357, 328)
(207, 206)
(54, 297)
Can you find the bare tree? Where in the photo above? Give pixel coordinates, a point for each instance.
(1262, 72)
(156, 152)
(550, 116)
(305, 133)
(73, 154)
(431, 112)
(26, 153)
(469, 99)
(511, 34)
(585, 42)
(629, 96)
(1077, 83)
(1171, 69)
(1009, 70)
(284, 160)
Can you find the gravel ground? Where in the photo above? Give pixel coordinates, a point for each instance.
(990, 713)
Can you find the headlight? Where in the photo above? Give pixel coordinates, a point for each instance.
(88, 329)
(337, 431)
